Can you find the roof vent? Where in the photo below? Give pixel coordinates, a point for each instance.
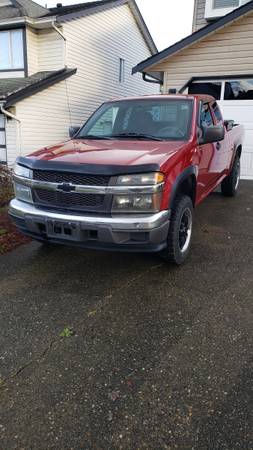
(59, 5)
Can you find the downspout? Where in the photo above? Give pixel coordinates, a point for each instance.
(11, 116)
(64, 38)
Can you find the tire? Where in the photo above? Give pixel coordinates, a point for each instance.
(180, 231)
(230, 185)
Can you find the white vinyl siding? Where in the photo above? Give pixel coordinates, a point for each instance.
(12, 141)
(45, 120)
(199, 20)
(94, 45)
(50, 50)
(32, 51)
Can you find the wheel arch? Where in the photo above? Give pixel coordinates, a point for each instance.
(185, 184)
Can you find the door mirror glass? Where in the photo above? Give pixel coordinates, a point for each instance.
(215, 133)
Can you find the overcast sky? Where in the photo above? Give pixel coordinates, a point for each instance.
(168, 21)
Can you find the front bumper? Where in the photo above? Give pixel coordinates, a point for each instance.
(125, 233)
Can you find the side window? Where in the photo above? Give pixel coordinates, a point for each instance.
(217, 113)
(206, 119)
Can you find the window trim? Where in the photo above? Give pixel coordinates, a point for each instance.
(215, 13)
(24, 67)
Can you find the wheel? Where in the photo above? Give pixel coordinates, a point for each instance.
(230, 185)
(180, 231)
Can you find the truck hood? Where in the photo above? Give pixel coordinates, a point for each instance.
(109, 152)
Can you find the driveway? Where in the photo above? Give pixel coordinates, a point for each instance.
(159, 357)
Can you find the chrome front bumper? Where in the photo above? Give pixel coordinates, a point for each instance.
(147, 232)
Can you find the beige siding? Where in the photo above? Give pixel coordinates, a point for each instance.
(199, 20)
(32, 50)
(50, 50)
(225, 52)
(94, 45)
(45, 118)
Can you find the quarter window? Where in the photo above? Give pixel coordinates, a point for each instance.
(11, 50)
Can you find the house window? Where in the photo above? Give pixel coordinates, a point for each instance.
(11, 50)
(225, 3)
(121, 70)
(239, 90)
(218, 8)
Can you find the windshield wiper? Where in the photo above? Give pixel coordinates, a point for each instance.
(93, 136)
(137, 136)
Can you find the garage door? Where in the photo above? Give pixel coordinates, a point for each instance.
(235, 97)
(2, 139)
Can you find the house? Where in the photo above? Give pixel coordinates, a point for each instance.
(57, 65)
(216, 59)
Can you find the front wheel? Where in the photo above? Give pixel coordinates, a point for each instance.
(180, 232)
(230, 185)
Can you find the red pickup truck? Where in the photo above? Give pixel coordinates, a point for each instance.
(130, 178)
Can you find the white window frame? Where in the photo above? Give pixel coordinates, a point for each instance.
(214, 13)
(10, 51)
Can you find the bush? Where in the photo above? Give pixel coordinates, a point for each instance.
(6, 188)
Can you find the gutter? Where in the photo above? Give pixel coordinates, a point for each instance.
(8, 114)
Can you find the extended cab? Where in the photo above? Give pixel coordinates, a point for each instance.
(130, 178)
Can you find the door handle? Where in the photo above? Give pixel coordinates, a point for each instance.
(218, 146)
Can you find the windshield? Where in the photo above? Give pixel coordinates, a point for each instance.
(140, 119)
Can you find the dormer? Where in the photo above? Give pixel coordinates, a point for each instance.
(218, 8)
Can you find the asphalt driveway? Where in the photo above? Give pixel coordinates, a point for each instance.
(159, 358)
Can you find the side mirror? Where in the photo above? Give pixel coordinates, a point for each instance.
(212, 134)
(73, 131)
(229, 124)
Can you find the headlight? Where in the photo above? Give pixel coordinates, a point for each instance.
(23, 193)
(144, 179)
(136, 203)
(22, 171)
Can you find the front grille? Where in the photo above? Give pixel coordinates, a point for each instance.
(73, 201)
(70, 177)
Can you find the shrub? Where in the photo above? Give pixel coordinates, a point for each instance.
(6, 188)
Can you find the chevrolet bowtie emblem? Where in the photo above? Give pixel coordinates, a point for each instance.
(66, 187)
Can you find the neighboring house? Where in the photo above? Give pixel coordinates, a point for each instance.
(57, 65)
(216, 59)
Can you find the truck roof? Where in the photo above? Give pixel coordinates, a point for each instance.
(204, 97)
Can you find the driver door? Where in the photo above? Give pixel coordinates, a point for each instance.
(206, 153)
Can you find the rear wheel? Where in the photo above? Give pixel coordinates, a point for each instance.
(180, 232)
(230, 185)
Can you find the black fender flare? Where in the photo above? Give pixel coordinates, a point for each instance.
(188, 172)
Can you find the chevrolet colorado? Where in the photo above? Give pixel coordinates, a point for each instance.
(129, 179)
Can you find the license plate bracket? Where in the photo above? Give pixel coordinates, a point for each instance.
(63, 230)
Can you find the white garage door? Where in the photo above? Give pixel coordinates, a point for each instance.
(2, 139)
(237, 104)
(235, 97)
